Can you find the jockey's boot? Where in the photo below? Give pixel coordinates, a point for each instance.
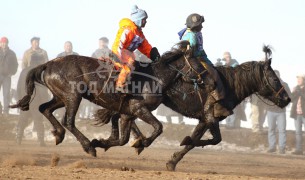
(219, 109)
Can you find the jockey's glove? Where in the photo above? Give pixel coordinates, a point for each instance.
(154, 54)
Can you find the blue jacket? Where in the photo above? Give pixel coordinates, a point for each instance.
(196, 42)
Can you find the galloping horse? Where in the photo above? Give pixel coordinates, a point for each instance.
(72, 78)
(239, 82)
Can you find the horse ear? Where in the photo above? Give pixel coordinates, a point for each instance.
(268, 63)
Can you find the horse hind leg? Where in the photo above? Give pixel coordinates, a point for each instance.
(47, 110)
(144, 114)
(138, 136)
(72, 106)
(125, 128)
(113, 136)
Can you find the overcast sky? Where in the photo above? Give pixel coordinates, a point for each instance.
(238, 26)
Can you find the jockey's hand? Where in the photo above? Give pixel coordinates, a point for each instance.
(154, 54)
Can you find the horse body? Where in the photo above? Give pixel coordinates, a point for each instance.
(240, 82)
(70, 79)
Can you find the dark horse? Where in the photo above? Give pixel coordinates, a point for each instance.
(240, 82)
(72, 78)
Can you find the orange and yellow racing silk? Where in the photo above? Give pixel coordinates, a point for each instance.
(128, 39)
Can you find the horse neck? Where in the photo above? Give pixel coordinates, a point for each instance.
(164, 74)
(242, 81)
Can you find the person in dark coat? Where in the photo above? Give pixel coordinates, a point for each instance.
(8, 67)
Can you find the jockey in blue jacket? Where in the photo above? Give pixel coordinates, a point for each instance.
(192, 33)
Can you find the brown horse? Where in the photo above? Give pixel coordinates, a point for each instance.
(240, 82)
(72, 78)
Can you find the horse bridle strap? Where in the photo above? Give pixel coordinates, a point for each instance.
(277, 93)
(282, 89)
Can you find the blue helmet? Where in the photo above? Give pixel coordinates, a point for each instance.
(137, 15)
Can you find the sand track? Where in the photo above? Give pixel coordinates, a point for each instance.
(29, 161)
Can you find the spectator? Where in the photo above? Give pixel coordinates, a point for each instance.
(86, 107)
(68, 47)
(32, 58)
(218, 63)
(233, 121)
(35, 55)
(103, 50)
(68, 50)
(277, 117)
(8, 67)
(298, 112)
(229, 62)
(258, 114)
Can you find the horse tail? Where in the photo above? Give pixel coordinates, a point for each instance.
(34, 75)
(268, 51)
(103, 116)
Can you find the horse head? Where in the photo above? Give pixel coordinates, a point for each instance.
(271, 87)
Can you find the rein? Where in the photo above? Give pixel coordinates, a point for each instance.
(194, 81)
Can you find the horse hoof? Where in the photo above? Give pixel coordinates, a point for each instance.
(136, 143)
(59, 136)
(186, 141)
(170, 166)
(58, 139)
(92, 152)
(139, 150)
(106, 148)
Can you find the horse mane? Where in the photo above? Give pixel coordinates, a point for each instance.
(243, 79)
(176, 52)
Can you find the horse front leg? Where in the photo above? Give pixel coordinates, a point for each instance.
(198, 132)
(212, 124)
(215, 131)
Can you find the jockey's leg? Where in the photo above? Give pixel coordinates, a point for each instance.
(47, 109)
(124, 74)
(218, 93)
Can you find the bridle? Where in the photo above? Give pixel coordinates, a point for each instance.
(277, 93)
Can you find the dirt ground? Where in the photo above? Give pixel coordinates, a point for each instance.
(69, 161)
